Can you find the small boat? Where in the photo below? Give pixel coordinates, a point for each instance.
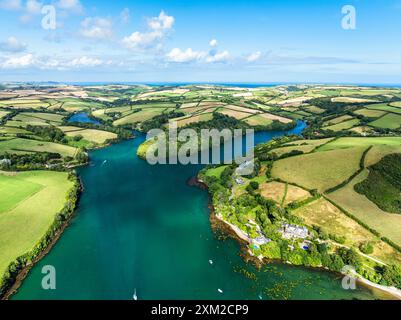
(260, 296)
(135, 296)
(220, 291)
(104, 162)
(211, 261)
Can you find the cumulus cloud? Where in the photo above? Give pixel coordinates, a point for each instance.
(158, 28)
(53, 63)
(12, 44)
(188, 55)
(10, 4)
(218, 57)
(254, 56)
(70, 5)
(96, 28)
(85, 62)
(18, 62)
(213, 43)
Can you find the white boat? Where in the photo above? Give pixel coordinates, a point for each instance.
(211, 261)
(135, 296)
(220, 291)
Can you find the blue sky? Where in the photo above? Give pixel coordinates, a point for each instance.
(201, 41)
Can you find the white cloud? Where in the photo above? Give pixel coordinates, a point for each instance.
(213, 43)
(161, 23)
(125, 15)
(158, 28)
(218, 57)
(178, 55)
(51, 62)
(70, 5)
(18, 62)
(254, 56)
(85, 62)
(96, 28)
(12, 44)
(33, 7)
(10, 4)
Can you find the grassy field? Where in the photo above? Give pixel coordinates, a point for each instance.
(358, 205)
(389, 121)
(192, 119)
(233, 113)
(370, 113)
(140, 116)
(92, 135)
(23, 217)
(319, 170)
(337, 120)
(215, 172)
(384, 107)
(350, 142)
(314, 109)
(21, 146)
(258, 120)
(283, 193)
(343, 125)
(3, 113)
(305, 146)
(376, 153)
(333, 221)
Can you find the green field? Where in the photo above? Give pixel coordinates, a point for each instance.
(384, 107)
(350, 142)
(359, 206)
(24, 218)
(337, 120)
(140, 116)
(92, 135)
(383, 185)
(370, 113)
(215, 172)
(3, 113)
(319, 170)
(22, 146)
(343, 125)
(389, 121)
(305, 146)
(258, 120)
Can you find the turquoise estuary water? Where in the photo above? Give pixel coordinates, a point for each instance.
(142, 228)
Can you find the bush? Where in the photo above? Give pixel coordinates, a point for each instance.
(366, 247)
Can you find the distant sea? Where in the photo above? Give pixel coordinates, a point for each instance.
(232, 84)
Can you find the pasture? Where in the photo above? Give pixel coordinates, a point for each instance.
(24, 146)
(359, 206)
(319, 170)
(24, 219)
(389, 121)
